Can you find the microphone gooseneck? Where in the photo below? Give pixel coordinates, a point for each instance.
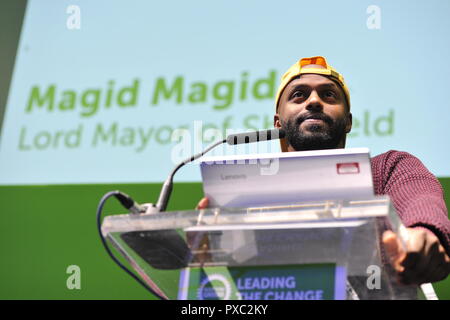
(232, 139)
(166, 189)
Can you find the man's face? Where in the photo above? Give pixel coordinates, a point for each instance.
(312, 110)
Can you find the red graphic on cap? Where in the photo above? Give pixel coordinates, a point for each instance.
(348, 168)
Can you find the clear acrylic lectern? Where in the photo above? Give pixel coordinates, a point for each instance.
(315, 250)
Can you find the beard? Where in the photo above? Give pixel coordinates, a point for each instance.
(315, 136)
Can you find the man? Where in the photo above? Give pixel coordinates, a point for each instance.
(313, 107)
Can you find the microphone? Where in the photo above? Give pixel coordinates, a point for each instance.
(255, 136)
(232, 139)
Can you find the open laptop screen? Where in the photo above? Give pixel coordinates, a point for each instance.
(287, 178)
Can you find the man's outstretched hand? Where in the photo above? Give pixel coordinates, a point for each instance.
(423, 260)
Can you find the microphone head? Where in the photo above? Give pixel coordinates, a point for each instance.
(255, 136)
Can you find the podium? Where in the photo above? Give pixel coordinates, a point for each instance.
(310, 250)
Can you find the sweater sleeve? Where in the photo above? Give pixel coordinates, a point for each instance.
(415, 192)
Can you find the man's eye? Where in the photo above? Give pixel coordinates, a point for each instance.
(330, 94)
(298, 94)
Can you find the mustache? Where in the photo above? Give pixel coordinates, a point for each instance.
(319, 116)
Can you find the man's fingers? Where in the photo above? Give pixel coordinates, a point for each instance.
(390, 243)
(414, 262)
(421, 251)
(415, 248)
(423, 260)
(393, 248)
(203, 204)
(426, 260)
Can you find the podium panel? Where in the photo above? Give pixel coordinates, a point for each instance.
(316, 250)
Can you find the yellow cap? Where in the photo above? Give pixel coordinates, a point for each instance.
(297, 70)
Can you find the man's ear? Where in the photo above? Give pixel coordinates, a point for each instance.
(276, 121)
(348, 126)
(277, 124)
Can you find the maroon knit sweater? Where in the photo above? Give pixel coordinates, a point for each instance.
(415, 192)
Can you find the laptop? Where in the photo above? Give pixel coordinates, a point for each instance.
(287, 178)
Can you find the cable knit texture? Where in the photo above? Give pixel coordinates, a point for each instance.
(415, 192)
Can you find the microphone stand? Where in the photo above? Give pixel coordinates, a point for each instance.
(167, 187)
(232, 139)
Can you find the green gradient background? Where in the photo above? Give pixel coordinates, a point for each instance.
(44, 229)
(47, 228)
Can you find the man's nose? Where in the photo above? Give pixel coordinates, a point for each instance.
(314, 103)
